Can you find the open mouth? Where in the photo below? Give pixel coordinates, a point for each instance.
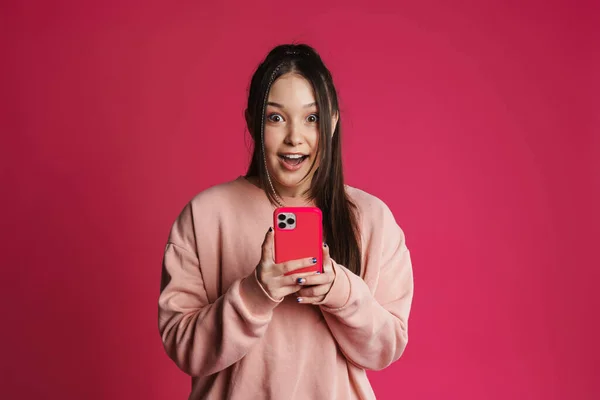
(293, 160)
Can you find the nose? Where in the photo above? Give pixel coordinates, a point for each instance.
(294, 135)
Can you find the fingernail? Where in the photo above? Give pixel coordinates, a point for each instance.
(324, 244)
(299, 299)
(318, 272)
(270, 229)
(314, 260)
(300, 281)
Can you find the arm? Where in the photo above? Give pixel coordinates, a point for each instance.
(372, 328)
(202, 337)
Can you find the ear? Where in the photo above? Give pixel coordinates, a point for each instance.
(334, 121)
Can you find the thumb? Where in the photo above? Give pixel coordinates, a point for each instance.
(327, 260)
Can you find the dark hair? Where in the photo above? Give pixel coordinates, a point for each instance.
(340, 218)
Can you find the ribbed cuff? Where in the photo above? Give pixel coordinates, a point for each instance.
(255, 297)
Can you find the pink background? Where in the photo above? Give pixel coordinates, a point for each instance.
(473, 122)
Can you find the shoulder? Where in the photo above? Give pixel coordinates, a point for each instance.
(220, 194)
(369, 206)
(206, 207)
(376, 218)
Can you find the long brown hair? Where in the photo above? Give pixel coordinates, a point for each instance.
(340, 218)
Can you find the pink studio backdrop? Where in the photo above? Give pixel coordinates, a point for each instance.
(473, 121)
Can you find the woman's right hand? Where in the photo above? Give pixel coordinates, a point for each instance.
(271, 276)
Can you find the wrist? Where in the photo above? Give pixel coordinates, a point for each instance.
(256, 298)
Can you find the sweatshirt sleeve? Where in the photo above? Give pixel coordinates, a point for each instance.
(199, 336)
(371, 325)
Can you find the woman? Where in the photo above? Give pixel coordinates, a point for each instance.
(228, 316)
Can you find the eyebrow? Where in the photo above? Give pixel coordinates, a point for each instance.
(271, 103)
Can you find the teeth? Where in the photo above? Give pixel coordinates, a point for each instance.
(293, 156)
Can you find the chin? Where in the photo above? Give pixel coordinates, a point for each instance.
(289, 180)
(285, 178)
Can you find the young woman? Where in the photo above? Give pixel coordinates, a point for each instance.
(228, 316)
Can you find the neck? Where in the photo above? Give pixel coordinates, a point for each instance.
(296, 196)
(301, 201)
(290, 196)
(297, 193)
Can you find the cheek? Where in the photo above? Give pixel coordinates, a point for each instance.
(271, 140)
(313, 139)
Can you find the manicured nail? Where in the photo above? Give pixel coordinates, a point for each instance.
(324, 244)
(270, 229)
(299, 299)
(318, 272)
(314, 260)
(300, 281)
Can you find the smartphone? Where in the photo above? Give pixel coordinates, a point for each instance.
(299, 234)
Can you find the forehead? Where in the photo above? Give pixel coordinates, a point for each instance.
(291, 89)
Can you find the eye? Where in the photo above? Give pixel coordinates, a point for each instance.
(275, 118)
(313, 118)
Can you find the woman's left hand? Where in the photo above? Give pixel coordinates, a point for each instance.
(317, 285)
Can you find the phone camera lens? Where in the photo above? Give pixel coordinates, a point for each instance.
(282, 225)
(291, 221)
(281, 217)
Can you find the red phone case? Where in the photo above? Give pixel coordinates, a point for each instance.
(304, 239)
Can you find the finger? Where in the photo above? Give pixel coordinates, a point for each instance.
(316, 279)
(287, 290)
(291, 266)
(296, 279)
(313, 291)
(267, 248)
(310, 300)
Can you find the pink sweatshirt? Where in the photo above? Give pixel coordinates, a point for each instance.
(219, 326)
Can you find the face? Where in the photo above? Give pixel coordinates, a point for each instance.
(291, 134)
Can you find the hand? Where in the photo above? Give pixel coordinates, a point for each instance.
(271, 276)
(317, 286)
